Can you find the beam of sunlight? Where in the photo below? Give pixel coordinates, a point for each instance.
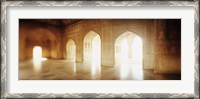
(37, 57)
(96, 49)
(44, 59)
(96, 52)
(124, 68)
(137, 51)
(95, 69)
(74, 68)
(137, 70)
(124, 50)
(132, 65)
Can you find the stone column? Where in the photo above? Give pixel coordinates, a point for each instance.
(79, 47)
(107, 46)
(160, 39)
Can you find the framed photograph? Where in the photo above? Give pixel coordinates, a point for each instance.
(100, 49)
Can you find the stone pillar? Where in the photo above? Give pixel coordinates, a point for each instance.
(53, 49)
(107, 46)
(63, 48)
(59, 56)
(160, 50)
(79, 47)
(149, 44)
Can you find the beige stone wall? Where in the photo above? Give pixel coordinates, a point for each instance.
(161, 40)
(109, 30)
(35, 34)
(168, 47)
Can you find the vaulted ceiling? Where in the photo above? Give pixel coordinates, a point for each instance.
(59, 22)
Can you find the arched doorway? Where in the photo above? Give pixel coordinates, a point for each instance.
(37, 53)
(137, 48)
(37, 58)
(43, 38)
(137, 56)
(92, 52)
(128, 56)
(71, 50)
(92, 47)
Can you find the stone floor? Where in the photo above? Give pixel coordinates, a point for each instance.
(69, 70)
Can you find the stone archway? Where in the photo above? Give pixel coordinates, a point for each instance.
(128, 55)
(92, 47)
(71, 50)
(43, 38)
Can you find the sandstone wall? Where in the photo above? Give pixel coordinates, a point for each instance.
(161, 40)
(36, 34)
(109, 30)
(168, 46)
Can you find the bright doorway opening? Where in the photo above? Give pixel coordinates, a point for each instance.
(128, 56)
(92, 52)
(71, 50)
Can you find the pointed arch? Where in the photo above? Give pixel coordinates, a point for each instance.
(92, 46)
(129, 37)
(44, 38)
(128, 55)
(71, 50)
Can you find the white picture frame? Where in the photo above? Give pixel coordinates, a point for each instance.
(89, 94)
